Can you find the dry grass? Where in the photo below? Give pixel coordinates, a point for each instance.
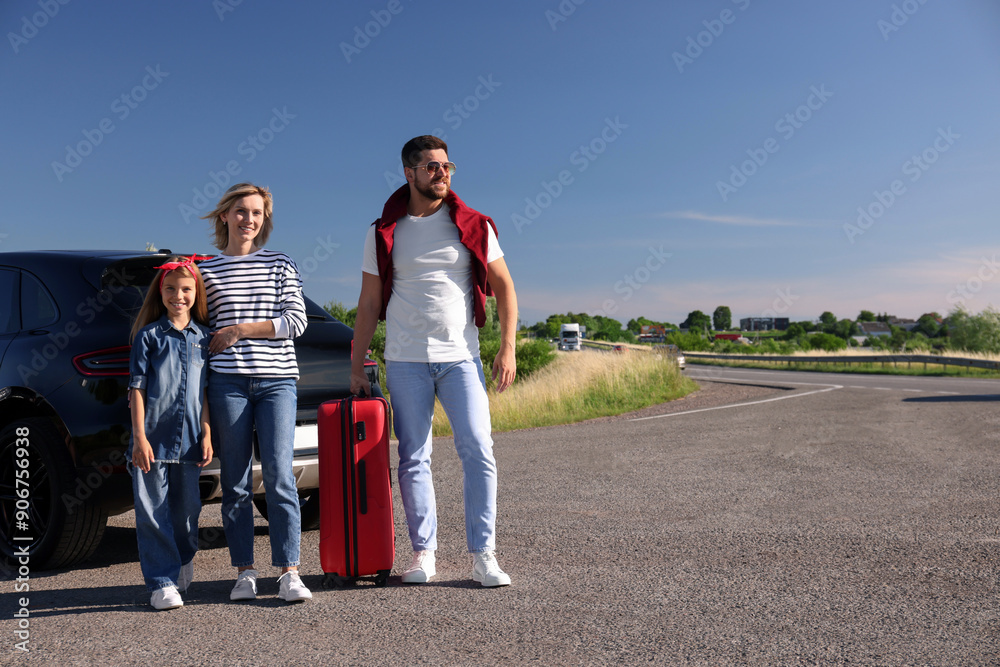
(579, 386)
(868, 352)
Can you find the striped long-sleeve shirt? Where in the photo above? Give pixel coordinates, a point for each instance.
(264, 285)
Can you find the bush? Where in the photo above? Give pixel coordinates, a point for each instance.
(689, 342)
(530, 356)
(725, 346)
(826, 342)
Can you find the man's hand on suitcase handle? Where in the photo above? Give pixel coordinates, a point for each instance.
(360, 386)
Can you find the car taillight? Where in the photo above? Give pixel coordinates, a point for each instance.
(103, 363)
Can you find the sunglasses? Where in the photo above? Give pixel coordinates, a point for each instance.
(432, 167)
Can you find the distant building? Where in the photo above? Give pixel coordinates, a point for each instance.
(763, 323)
(652, 333)
(874, 329)
(903, 323)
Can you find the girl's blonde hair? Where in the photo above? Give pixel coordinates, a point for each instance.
(239, 191)
(153, 308)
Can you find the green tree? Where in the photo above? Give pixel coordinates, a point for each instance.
(340, 311)
(828, 320)
(794, 330)
(636, 324)
(974, 333)
(722, 318)
(929, 324)
(866, 316)
(697, 321)
(845, 329)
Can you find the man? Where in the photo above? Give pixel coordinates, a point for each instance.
(430, 261)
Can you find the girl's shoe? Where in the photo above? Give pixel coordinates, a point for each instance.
(291, 588)
(246, 586)
(166, 598)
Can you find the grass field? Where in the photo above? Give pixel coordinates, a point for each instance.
(854, 364)
(579, 386)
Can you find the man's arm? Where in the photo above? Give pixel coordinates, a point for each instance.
(369, 308)
(505, 365)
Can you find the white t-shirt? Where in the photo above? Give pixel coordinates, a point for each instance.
(429, 317)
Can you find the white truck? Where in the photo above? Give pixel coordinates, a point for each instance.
(569, 337)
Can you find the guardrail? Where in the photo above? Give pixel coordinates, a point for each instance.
(854, 359)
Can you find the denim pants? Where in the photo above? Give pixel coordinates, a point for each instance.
(237, 403)
(167, 505)
(461, 388)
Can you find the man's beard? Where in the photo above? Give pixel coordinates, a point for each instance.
(429, 193)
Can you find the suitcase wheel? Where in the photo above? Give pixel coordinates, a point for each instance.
(382, 578)
(335, 580)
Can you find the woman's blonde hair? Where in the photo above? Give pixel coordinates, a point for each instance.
(153, 308)
(239, 191)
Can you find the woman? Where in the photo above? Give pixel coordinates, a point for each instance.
(256, 308)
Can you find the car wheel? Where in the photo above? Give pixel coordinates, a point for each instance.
(62, 528)
(308, 508)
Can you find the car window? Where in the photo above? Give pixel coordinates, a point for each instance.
(8, 297)
(37, 307)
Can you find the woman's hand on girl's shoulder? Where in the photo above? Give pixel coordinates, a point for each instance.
(223, 339)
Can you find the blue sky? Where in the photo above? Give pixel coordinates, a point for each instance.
(640, 158)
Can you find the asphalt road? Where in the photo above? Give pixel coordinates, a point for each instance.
(829, 519)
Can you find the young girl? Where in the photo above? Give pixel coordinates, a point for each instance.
(170, 432)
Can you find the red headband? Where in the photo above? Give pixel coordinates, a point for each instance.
(187, 261)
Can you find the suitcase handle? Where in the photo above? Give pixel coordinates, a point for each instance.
(362, 488)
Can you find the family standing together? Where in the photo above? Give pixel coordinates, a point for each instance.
(213, 362)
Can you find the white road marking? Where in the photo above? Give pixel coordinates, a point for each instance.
(828, 387)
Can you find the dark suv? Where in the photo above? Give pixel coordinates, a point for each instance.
(64, 419)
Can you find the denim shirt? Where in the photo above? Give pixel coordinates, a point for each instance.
(171, 366)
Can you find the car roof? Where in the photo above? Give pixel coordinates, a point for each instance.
(38, 258)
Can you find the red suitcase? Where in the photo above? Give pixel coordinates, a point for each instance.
(357, 537)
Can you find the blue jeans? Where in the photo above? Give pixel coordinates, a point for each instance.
(237, 403)
(167, 505)
(461, 388)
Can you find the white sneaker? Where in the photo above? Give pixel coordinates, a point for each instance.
(246, 586)
(421, 568)
(291, 588)
(166, 598)
(185, 577)
(486, 570)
